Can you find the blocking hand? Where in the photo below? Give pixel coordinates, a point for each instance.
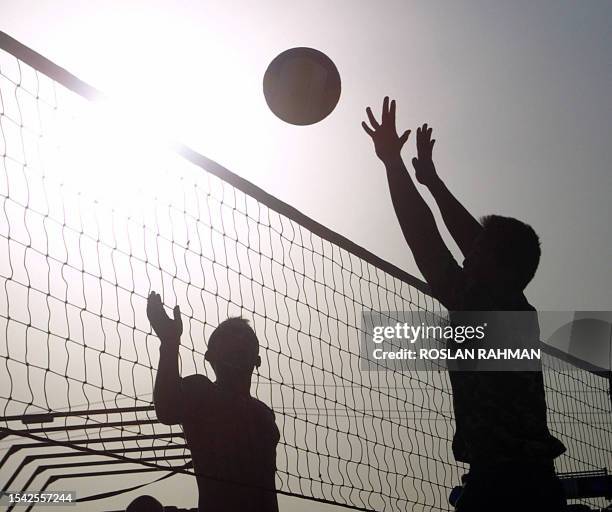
(168, 329)
(387, 143)
(423, 164)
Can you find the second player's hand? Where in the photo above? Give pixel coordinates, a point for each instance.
(423, 163)
(168, 329)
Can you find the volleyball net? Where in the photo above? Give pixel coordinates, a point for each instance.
(93, 216)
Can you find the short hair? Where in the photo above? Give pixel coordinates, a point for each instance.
(236, 335)
(516, 246)
(145, 503)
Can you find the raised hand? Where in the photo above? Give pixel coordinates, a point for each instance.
(423, 164)
(387, 143)
(168, 329)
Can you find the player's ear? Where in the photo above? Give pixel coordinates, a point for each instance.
(258, 362)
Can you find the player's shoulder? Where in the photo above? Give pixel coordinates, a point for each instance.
(261, 407)
(198, 394)
(265, 419)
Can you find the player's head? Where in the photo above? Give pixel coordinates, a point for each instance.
(145, 503)
(233, 349)
(506, 254)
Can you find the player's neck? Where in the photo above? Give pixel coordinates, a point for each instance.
(237, 387)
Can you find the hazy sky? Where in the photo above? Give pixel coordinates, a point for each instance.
(518, 94)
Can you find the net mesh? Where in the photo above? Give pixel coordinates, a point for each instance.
(92, 219)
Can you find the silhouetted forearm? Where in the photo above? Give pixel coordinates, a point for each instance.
(167, 392)
(416, 220)
(463, 227)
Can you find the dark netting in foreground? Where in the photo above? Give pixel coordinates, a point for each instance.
(91, 221)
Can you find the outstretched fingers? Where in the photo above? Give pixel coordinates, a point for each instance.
(152, 301)
(155, 306)
(387, 116)
(385, 109)
(392, 112)
(375, 125)
(372, 119)
(387, 142)
(177, 316)
(429, 142)
(424, 141)
(367, 129)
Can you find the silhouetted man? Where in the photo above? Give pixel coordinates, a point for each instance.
(501, 428)
(232, 436)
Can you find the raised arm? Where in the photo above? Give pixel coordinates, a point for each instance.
(415, 218)
(167, 395)
(463, 227)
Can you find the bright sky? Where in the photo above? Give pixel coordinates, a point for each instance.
(518, 94)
